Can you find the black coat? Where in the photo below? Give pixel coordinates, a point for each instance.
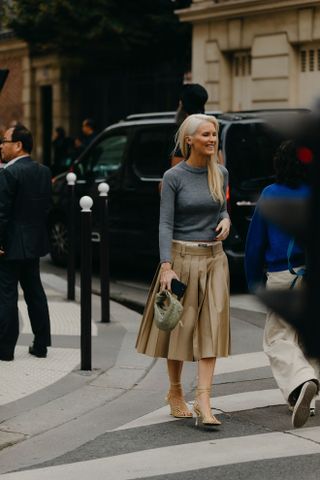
(25, 199)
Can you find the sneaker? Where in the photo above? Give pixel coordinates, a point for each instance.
(301, 409)
(312, 410)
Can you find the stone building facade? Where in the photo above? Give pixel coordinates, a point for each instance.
(48, 91)
(33, 94)
(12, 57)
(256, 54)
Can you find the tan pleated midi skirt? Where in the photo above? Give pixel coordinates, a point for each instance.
(204, 331)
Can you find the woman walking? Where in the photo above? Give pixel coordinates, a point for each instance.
(193, 223)
(268, 250)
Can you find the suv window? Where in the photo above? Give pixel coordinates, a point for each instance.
(151, 151)
(105, 156)
(250, 148)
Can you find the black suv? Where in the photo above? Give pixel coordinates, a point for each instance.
(132, 155)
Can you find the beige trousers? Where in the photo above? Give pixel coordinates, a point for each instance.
(290, 367)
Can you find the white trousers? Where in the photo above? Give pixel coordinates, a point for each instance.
(289, 365)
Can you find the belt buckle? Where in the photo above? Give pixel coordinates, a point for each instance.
(203, 245)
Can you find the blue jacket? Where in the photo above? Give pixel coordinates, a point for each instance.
(267, 245)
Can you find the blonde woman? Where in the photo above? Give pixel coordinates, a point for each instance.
(193, 223)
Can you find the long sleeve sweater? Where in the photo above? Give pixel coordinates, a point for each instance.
(187, 210)
(267, 245)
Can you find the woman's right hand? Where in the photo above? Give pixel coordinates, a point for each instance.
(166, 275)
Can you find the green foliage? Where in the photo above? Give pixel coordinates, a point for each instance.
(114, 32)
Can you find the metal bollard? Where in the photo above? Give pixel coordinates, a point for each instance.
(71, 180)
(86, 271)
(104, 253)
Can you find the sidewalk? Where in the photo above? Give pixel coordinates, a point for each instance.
(49, 407)
(59, 422)
(36, 393)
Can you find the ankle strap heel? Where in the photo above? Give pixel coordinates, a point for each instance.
(205, 419)
(175, 399)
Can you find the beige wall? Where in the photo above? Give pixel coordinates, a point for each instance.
(247, 53)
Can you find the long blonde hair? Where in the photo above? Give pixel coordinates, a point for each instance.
(188, 128)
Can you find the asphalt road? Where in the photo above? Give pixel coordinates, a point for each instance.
(140, 440)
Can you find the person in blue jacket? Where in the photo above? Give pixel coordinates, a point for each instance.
(266, 262)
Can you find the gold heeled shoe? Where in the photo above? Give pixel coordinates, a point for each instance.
(205, 419)
(174, 398)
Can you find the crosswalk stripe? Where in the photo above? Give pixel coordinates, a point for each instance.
(241, 362)
(233, 363)
(228, 403)
(179, 458)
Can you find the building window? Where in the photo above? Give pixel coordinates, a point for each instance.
(311, 60)
(249, 64)
(242, 64)
(236, 67)
(303, 60)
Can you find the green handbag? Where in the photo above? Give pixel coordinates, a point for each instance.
(167, 310)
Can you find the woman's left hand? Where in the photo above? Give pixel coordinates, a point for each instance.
(223, 229)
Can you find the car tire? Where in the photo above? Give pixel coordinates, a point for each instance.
(58, 237)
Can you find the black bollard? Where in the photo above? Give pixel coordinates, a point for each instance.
(86, 272)
(104, 253)
(71, 180)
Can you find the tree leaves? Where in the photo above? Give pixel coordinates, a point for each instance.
(115, 32)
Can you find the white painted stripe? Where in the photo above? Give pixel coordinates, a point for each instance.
(228, 403)
(312, 433)
(161, 415)
(248, 400)
(243, 361)
(177, 458)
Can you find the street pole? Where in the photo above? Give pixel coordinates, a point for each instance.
(86, 271)
(104, 253)
(71, 180)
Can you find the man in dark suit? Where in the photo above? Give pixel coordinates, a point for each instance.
(25, 196)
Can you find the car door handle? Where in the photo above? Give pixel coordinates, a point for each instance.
(246, 203)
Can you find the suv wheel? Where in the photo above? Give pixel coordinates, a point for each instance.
(59, 242)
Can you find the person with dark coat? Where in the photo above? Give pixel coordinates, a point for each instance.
(62, 151)
(193, 98)
(25, 198)
(88, 134)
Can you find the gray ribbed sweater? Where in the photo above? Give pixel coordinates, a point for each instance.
(187, 210)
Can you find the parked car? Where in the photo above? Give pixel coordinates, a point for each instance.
(132, 155)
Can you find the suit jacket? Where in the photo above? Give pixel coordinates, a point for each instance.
(25, 199)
